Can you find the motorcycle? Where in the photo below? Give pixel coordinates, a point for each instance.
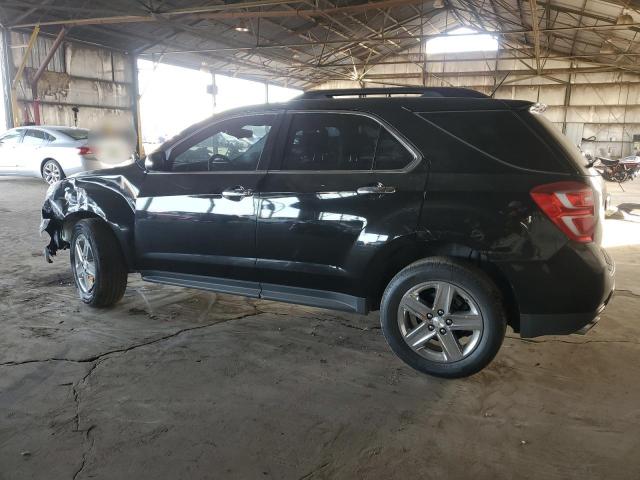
(619, 170)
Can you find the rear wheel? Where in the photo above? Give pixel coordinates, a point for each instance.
(98, 267)
(52, 171)
(443, 317)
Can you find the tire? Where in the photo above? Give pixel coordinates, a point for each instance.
(52, 171)
(474, 302)
(97, 263)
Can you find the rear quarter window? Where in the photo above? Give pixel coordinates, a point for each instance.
(74, 133)
(499, 136)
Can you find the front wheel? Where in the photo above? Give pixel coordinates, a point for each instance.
(97, 263)
(443, 317)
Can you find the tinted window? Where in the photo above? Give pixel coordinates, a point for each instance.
(391, 154)
(11, 138)
(230, 145)
(571, 151)
(330, 141)
(34, 137)
(75, 133)
(500, 134)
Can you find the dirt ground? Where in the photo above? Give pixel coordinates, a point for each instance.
(181, 384)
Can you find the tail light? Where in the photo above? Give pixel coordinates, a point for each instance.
(85, 151)
(571, 206)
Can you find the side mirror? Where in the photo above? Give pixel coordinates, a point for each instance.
(156, 161)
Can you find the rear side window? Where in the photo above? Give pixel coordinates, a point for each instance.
(391, 154)
(539, 122)
(342, 141)
(501, 135)
(75, 133)
(329, 141)
(34, 137)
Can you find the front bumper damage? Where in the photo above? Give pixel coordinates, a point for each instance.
(56, 240)
(61, 200)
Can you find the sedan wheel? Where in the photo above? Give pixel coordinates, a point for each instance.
(51, 172)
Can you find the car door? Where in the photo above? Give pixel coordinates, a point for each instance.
(9, 150)
(197, 216)
(326, 209)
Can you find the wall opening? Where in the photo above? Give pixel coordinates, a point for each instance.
(461, 40)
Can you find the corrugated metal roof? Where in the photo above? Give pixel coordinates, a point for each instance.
(302, 51)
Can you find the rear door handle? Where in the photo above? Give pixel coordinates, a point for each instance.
(235, 193)
(377, 188)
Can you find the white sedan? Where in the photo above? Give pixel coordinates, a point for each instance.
(48, 152)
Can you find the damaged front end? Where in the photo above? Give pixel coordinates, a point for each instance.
(63, 199)
(110, 197)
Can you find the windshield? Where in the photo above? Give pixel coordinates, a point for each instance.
(75, 133)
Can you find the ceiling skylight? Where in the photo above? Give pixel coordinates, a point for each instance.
(462, 39)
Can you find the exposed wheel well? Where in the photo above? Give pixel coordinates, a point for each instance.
(70, 221)
(407, 254)
(73, 218)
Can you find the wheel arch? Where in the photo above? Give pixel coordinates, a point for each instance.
(404, 251)
(72, 200)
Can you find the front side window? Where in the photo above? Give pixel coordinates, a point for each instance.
(231, 145)
(11, 138)
(330, 141)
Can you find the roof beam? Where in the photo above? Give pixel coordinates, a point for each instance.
(221, 12)
(536, 32)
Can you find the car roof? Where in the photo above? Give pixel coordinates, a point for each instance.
(419, 99)
(373, 100)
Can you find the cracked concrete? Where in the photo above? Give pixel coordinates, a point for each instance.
(176, 383)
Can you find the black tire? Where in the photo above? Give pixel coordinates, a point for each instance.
(44, 170)
(474, 282)
(110, 279)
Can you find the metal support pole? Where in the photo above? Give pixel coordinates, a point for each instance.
(43, 66)
(7, 67)
(16, 79)
(135, 104)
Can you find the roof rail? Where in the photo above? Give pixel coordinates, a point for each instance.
(432, 92)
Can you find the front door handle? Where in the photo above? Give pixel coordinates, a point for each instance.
(235, 193)
(376, 188)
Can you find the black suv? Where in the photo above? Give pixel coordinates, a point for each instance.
(452, 213)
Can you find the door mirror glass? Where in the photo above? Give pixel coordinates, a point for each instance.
(156, 161)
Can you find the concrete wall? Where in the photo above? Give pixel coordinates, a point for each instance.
(589, 103)
(96, 80)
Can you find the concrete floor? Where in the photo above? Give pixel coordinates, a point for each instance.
(176, 383)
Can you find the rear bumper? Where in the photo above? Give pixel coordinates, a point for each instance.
(563, 294)
(532, 325)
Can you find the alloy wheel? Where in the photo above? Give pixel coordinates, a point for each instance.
(51, 172)
(440, 321)
(84, 264)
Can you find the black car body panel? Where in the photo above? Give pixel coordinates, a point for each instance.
(335, 238)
